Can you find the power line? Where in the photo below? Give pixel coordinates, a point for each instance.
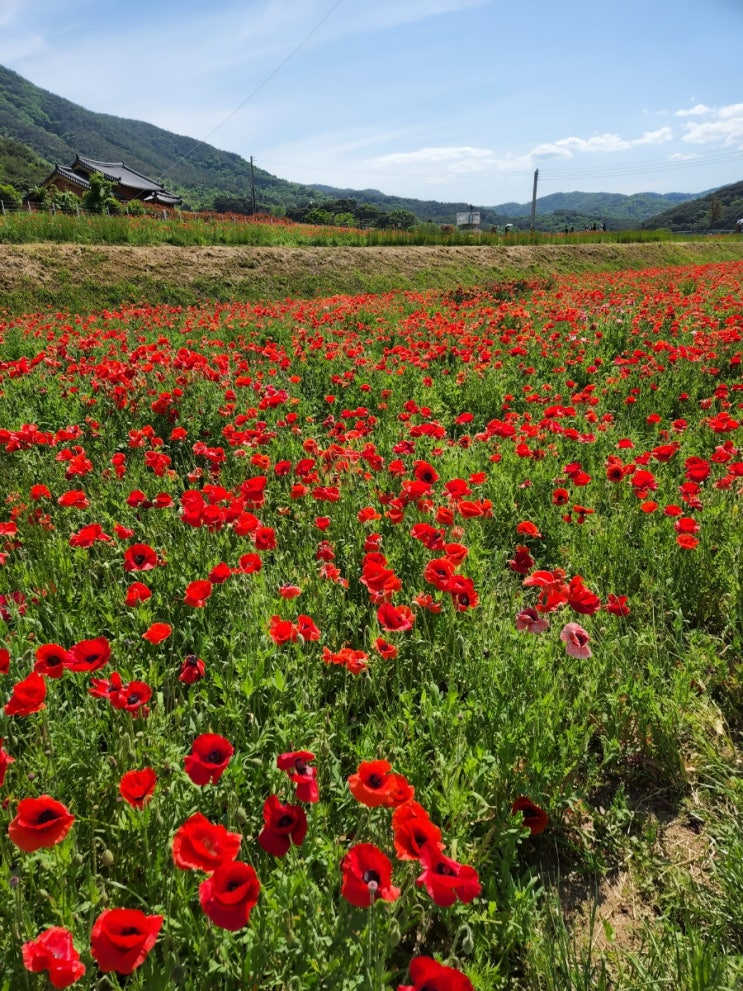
(259, 87)
(637, 168)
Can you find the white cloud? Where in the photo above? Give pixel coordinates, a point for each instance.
(696, 111)
(470, 160)
(655, 137)
(725, 127)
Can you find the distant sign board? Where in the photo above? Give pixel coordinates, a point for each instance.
(468, 218)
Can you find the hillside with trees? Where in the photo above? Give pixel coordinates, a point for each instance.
(718, 210)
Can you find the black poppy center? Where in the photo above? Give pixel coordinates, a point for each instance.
(443, 868)
(375, 781)
(214, 757)
(233, 885)
(48, 815)
(370, 877)
(285, 820)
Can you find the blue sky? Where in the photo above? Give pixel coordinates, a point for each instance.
(455, 100)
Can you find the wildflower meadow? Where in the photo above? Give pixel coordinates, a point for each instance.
(366, 642)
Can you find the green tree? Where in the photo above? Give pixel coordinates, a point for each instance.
(65, 200)
(403, 219)
(100, 198)
(9, 195)
(318, 216)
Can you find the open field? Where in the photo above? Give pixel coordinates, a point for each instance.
(399, 620)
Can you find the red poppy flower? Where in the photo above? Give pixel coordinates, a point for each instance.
(51, 660)
(209, 757)
(686, 524)
(5, 660)
(412, 829)
(395, 619)
(137, 593)
(528, 529)
(429, 975)
(197, 593)
(297, 766)
(354, 661)
(39, 822)
(138, 787)
(230, 894)
(193, 669)
(200, 845)
(521, 561)
(534, 817)
(685, 541)
(439, 572)
(617, 605)
(5, 760)
(306, 628)
(289, 591)
(283, 825)
(282, 631)
(220, 573)
(140, 557)
(88, 655)
(38, 492)
(445, 879)
(54, 951)
(86, 536)
(367, 876)
(425, 601)
(132, 697)
(157, 632)
(27, 697)
(463, 594)
(75, 498)
(122, 938)
(553, 589)
(264, 538)
(425, 472)
(375, 784)
(385, 649)
(582, 599)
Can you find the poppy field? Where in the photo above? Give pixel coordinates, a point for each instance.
(340, 637)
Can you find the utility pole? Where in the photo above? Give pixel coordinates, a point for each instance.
(252, 183)
(534, 199)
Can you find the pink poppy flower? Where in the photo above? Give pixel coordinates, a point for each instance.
(576, 640)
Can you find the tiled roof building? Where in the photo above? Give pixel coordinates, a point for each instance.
(129, 184)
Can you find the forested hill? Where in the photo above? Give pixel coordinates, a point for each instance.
(56, 130)
(39, 129)
(718, 210)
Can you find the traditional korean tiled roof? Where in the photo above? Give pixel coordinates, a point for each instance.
(118, 172)
(148, 190)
